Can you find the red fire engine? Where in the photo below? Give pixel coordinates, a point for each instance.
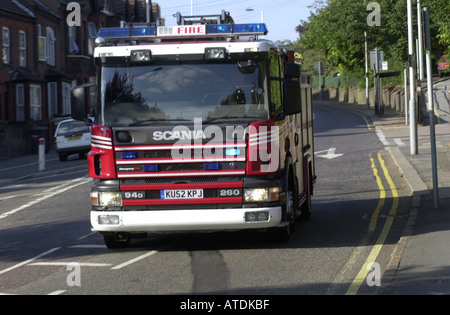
(197, 127)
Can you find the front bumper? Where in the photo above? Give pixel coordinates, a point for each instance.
(185, 220)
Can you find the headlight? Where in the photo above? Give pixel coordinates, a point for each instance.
(141, 55)
(262, 194)
(215, 53)
(103, 199)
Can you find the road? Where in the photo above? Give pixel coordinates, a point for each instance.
(360, 207)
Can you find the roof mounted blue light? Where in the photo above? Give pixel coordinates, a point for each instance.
(209, 30)
(219, 29)
(126, 32)
(258, 28)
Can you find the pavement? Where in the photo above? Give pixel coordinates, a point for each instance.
(420, 264)
(13, 170)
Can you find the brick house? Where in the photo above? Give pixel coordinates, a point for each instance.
(42, 57)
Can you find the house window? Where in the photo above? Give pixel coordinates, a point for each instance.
(6, 57)
(20, 102)
(66, 98)
(50, 46)
(73, 46)
(42, 44)
(22, 48)
(52, 98)
(35, 102)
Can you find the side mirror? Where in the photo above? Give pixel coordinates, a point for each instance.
(78, 101)
(292, 97)
(291, 70)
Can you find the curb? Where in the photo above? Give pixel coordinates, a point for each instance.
(50, 173)
(418, 188)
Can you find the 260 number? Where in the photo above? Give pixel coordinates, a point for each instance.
(229, 192)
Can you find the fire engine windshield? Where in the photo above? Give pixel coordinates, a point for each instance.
(173, 94)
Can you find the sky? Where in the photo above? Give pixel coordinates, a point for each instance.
(280, 16)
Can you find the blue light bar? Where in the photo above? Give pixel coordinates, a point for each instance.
(183, 31)
(124, 32)
(258, 28)
(143, 31)
(219, 29)
(113, 32)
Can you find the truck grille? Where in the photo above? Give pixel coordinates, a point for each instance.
(189, 161)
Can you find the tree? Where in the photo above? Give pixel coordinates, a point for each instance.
(336, 28)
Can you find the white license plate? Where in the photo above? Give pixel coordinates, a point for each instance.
(73, 138)
(182, 194)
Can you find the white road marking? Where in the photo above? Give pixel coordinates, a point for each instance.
(8, 197)
(382, 138)
(63, 263)
(26, 262)
(58, 292)
(61, 188)
(132, 261)
(86, 236)
(330, 154)
(399, 142)
(88, 246)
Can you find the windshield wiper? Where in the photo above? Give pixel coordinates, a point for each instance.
(155, 119)
(231, 117)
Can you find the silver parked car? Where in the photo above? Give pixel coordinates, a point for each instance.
(72, 137)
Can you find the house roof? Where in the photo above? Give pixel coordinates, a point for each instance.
(16, 7)
(25, 75)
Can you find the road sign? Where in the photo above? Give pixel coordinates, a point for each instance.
(373, 58)
(318, 68)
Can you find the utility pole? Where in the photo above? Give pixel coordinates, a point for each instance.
(420, 37)
(431, 111)
(148, 8)
(367, 71)
(412, 84)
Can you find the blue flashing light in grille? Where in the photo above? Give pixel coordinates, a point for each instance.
(232, 152)
(151, 168)
(211, 166)
(129, 155)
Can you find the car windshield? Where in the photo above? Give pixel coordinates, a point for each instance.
(174, 94)
(72, 127)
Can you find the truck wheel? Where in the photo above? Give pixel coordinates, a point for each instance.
(117, 240)
(283, 234)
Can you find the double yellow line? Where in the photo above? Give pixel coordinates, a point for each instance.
(362, 275)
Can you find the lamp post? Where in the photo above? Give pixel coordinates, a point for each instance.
(412, 84)
(262, 16)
